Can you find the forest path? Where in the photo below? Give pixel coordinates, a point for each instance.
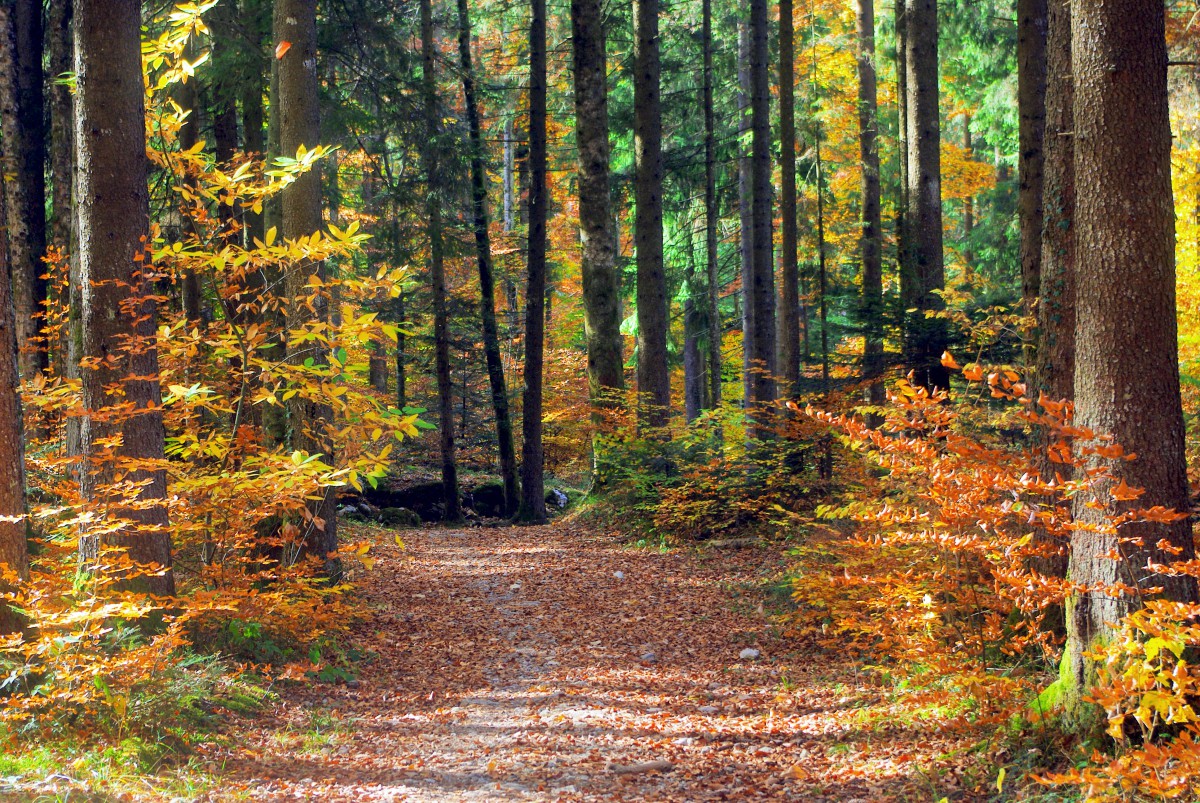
(550, 663)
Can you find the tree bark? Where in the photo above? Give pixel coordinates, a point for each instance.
(1031, 106)
(437, 268)
(745, 214)
(58, 43)
(533, 491)
(22, 110)
(487, 282)
(14, 550)
(693, 364)
(299, 124)
(712, 214)
(653, 375)
(597, 228)
(904, 268)
(923, 222)
(871, 238)
(1127, 369)
(118, 310)
(789, 297)
(762, 263)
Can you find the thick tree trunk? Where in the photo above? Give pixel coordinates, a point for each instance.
(487, 282)
(923, 222)
(533, 490)
(22, 126)
(1031, 106)
(871, 239)
(437, 268)
(762, 263)
(597, 228)
(789, 275)
(712, 215)
(1127, 369)
(653, 376)
(300, 124)
(113, 209)
(14, 550)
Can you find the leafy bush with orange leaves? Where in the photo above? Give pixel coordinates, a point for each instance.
(96, 655)
(940, 578)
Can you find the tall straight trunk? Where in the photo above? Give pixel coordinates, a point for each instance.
(712, 214)
(1127, 367)
(653, 376)
(1055, 374)
(871, 238)
(114, 225)
(923, 222)
(224, 97)
(904, 268)
(762, 264)
(510, 167)
(789, 275)
(14, 549)
(487, 282)
(58, 43)
(597, 228)
(968, 211)
(437, 268)
(693, 365)
(745, 214)
(533, 490)
(22, 110)
(253, 118)
(300, 124)
(1031, 107)
(185, 96)
(398, 313)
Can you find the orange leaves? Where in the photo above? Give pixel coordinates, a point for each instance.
(1121, 492)
(282, 48)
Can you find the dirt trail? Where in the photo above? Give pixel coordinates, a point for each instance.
(551, 664)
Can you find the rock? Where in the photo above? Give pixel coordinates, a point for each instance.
(368, 510)
(749, 654)
(487, 500)
(649, 766)
(708, 709)
(650, 658)
(557, 499)
(619, 575)
(399, 517)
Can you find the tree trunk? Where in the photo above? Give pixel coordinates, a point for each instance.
(762, 263)
(745, 213)
(693, 364)
(1031, 106)
(653, 373)
(904, 268)
(533, 491)
(1127, 369)
(789, 297)
(437, 267)
(300, 124)
(252, 111)
(968, 212)
(22, 113)
(712, 214)
(487, 282)
(923, 222)
(597, 228)
(14, 554)
(113, 209)
(871, 239)
(58, 43)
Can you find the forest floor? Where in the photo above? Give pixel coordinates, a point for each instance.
(553, 663)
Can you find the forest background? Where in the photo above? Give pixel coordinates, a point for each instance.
(701, 240)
